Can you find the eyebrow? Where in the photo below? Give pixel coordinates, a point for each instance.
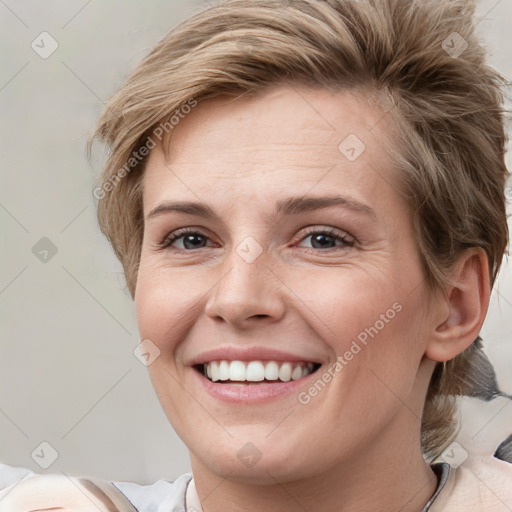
(290, 206)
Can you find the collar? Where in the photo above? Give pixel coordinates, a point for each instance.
(192, 499)
(442, 471)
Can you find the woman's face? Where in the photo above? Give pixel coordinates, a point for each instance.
(301, 257)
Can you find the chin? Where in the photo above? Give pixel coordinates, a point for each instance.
(260, 463)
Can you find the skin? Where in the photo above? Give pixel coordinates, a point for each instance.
(356, 442)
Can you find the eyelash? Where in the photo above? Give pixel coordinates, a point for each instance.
(167, 242)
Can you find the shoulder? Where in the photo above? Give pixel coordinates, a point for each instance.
(482, 483)
(22, 489)
(9, 475)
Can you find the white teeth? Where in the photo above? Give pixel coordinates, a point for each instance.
(297, 373)
(256, 371)
(215, 371)
(271, 371)
(236, 370)
(223, 370)
(285, 372)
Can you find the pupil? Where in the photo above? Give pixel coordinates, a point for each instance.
(190, 239)
(323, 239)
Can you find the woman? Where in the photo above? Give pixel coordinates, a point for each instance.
(308, 202)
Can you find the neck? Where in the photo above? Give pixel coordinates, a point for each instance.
(398, 480)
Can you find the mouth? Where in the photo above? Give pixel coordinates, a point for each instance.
(255, 372)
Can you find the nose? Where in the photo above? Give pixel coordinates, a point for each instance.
(247, 292)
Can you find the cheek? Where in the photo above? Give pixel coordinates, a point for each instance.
(372, 319)
(343, 302)
(164, 306)
(385, 346)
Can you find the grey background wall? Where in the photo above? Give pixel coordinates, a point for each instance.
(68, 375)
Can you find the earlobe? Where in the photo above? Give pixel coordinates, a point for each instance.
(464, 306)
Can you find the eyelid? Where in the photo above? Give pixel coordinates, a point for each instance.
(171, 237)
(346, 238)
(336, 232)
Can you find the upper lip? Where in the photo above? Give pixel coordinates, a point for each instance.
(255, 353)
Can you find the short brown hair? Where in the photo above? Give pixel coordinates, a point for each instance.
(422, 60)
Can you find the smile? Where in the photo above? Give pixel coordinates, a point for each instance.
(227, 372)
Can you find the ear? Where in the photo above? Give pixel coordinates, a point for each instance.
(460, 309)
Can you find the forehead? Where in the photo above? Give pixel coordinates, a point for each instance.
(287, 138)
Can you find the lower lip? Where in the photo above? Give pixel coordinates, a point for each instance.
(252, 393)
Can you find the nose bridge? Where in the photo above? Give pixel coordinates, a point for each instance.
(247, 270)
(248, 286)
